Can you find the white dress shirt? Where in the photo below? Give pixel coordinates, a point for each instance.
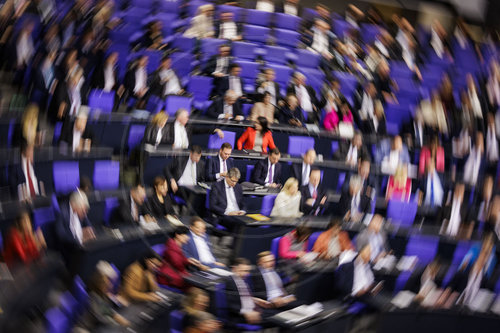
(271, 89)
(24, 49)
(438, 190)
(320, 42)
(134, 210)
(227, 109)
(228, 30)
(222, 168)
(265, 6)
(221, 65)
(455, 218)
(77, 136)
(32, 174)
(141, 77)
(205, 255)
(304, 98)
(159, 135)
(290, 9)
(311, 190)
(109, 78)
(181, 139)
(235, 85)
(76, 99)
(367, 110)
(188, 177)
(75, 226)
(476, 105)
(172, 86)
(306, 170)
(352, 154)
(246, 300)
(269, 180)
(437, 44)
(472, 165)
(472, 288)
(274, 285)
(355, 202)
(232, 204)
(363, 276)
(491, 145)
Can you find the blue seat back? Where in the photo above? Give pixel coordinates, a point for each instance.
(267, 204)
(312, 240)
(214, 142)
(106, 175)
(66, 176)
(401, 212)
(298, 145)
(424, 247)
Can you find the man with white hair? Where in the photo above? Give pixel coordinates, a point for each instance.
(306, 96)
(226, 108)
(76, 134)
(73, 228)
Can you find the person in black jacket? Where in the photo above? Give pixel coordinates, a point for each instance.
(180, 171)
(302, 171)
(422, 280)
(131, 209)
(136, 80)
(165, 80)
(217, 167)
(313, 200)
(232, 81)
(77, 135)
(218, 65)
(352, 152)
(260, 174)
(221, 200)
(354, 203)
(227, 107)
(160, 204)
(291, 113)
(157, 133)
(106, 78)
(306, 97)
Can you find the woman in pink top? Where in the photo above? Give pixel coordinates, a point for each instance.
(399, 185)
(294, 244)
(332, 119)
(434, 151)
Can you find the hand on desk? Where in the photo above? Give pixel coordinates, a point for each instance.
(236, 213)
(219, 264)
(262, 303)
(153, 297)
(252, 317)
(88, 234)
(282, 301)
(310, 201)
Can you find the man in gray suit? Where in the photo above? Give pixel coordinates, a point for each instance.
(376, 237)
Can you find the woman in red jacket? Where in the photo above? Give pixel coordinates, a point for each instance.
(175, 264)
(22, 245)
(258, 138)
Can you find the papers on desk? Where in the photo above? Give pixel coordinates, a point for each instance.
(203, 185)
(346, 130)
(220, 272)
(148, 226)
(431, 298)
(174, 221)
(300, 313)
(406, 263)
(482, 301)
(259, 217)
(312, 128)
(388, 262)
(403, 299)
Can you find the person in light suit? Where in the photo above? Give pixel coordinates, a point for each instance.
(199, 246)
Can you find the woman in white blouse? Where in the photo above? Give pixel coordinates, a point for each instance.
(287, 203)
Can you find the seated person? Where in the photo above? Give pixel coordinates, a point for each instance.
(265, 5)
(132, 210)
(160, 203)
(227, 28)
(232, 81)
(488, 245)
(23, 181)
(226, 197)
(226, 108)
(354, 203)
(165, 80)
(431, 192)
(175, 264)
(199, 246)
(22, 244)
(202, 25)
(217, 167)
(268, 171)
(267, 284)
(376, 236)
(218, 65)
(263, 109)
(332, 118)
(302, 171)
(258, 138)
(241, 306)
(139, 281)
(293, 245)
(424, 280)
(397, 154)
(153, 38)
(186, 171)
(156, 132)
(136, 80)
(455, 216)
(332, 242)
(435, 152)
(77, 135)
(368, 183)
(269, 85)
(352, 152)
(399, 185)
(101, 309)
(196, 317)
(314, 196)
(306, 96)
(287, 202)
(291, 113)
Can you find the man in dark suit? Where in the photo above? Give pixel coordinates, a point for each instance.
(136, 80)
(352, 152)
(376, 236)
(354, 203)
(269, 85)
(241, 306)
(301, 171)
(363, 112)
(218, 65)
(69, 95)
(290, 7)
(455, 215)
(165, 80)
(320, 40)
(227, 28)
(217, 167)
(226, 197)
(267, 284)
(332, 98)
(131, 209)
(45, 80)
(199, 246)
(105, 77)
(368, 183)
(77, 135)
(313, 200)
(415, 132)
(226, 107)
(232, 81)
(268, 171)
(433, 272)
(431, 189)
(306, 96)
(180, 131)
(22, 179)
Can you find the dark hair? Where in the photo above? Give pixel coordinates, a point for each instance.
(302, 231)
(264, 123)
(226, 145)
(159, 180)
(274, 151)
(195, 219)
(232, 66)
(195, 149)
(240, 261)
(85, 184)
(334, 222)
(180, 230)
(148, 254)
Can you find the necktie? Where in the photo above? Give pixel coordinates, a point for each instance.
(224, 168)
(221, 31)
(30, 181)
(270, 173)
(193, 173)
(315, 193)
(432, 193)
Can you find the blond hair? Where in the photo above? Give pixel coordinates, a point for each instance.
(29, 123)
(288, 184)
(159, 118)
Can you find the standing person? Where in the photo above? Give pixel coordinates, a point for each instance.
(302, 171)
(218, 167)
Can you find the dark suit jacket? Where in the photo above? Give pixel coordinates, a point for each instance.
(291, 89)
(221, 85)
(16, 177)
(212, 64)
(345, 203)
(286, 114)
(63, 231)
(341, 153)
(370, 182)
(218, 200)
(276, 89)
(217, 30)
(190, 250)
(445, 212)
(296, 172)
(408, 130)
(190, 130)
(129, 81)
(157, 87)
(217, 108)
(152, 131)
(258, 284)
(309, 39)
(98, 78)
(159, 210)
(122, 215)
(306, 194)
(213, 167)
(61, 95)
(260, 172)
(67, 134)
(459, 281)
(233, 299)
(176, 168)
